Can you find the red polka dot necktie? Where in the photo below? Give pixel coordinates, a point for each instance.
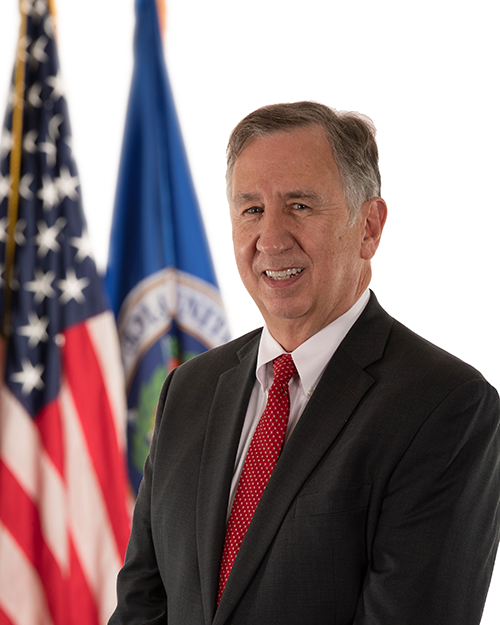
(261, 459)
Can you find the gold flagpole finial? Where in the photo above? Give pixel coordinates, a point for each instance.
(15, 169)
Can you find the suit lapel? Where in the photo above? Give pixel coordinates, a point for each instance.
(226, 418)
(337, 395)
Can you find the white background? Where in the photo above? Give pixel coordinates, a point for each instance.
(426, 73)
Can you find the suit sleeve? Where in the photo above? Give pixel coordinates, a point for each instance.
(434, 546)
(141, 594)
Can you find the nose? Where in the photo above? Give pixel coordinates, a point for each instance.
(275, 235)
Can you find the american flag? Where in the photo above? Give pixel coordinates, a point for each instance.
(64, 519)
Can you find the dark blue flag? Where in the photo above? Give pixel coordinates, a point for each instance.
(160, 274)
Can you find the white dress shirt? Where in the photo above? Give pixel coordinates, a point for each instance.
(310, 359)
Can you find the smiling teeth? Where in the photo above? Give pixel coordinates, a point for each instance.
(286, 274)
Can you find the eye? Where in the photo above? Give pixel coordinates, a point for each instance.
(253, 210)
(300, 207)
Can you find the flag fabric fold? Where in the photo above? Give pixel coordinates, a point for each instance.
(160, 275)
(64, 518)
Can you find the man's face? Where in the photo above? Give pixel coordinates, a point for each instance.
(299, 259)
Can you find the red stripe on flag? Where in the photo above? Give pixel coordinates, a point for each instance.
(89, 395)
(81, 602)
(20, 516)
(4, 619)
(49, 426)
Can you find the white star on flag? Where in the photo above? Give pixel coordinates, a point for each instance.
(60, 340)
(30, 377)
(49, 147)
(19, 237)
(57, 86)
(36, 331)
(41, 286)
(54, 124)
(83, 246)
(18, 231)
(33, 7)
(66, 184)
(33, 95)
(29, 141)
(40, 7)
(46, 237)
(68, 140)
(4, 186)
(72, 287)
(38, 51)
(5, 142)
(48, 193)
(24, 186)
(48, 27)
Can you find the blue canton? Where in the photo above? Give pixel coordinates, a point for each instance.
(55, 284)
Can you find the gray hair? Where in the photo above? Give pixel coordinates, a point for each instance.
(351, 136)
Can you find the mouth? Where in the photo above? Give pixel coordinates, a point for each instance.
(284, 274)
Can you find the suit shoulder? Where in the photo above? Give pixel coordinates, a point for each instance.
(390, 349)
(419, 354)
(379, 340)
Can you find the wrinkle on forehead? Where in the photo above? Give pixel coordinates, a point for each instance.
(295, 194)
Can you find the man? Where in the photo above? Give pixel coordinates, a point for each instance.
(383, 507)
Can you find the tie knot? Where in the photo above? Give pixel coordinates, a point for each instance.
(284, 368)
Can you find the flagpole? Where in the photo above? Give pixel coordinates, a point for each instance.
(52, 8)
(161, 10)
(51, 5)
(15, 170)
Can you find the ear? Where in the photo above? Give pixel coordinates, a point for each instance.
(373, 214)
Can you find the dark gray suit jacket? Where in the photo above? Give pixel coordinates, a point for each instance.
(382, 510)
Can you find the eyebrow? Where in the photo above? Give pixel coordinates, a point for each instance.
(241, 198)
(304, 194)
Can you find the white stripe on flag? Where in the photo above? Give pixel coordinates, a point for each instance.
(22, 451)
(88, 518)
(104, 338)
(22, 595)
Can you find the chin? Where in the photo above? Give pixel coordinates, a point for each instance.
(282, 311)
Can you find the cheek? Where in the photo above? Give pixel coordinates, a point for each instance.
(243, 254)
(243, 241)
(347, 245)
(336, 259)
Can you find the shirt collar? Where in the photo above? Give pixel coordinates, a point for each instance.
(312, 356)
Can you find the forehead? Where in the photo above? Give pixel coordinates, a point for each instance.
(300, 155)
